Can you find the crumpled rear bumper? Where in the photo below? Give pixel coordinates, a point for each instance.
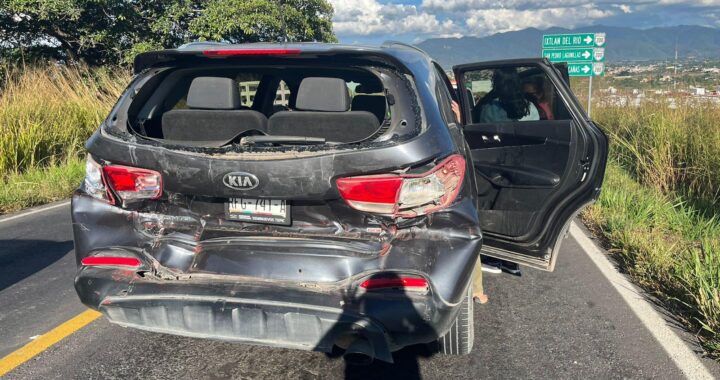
(270, 314)
(267, 323)
(290, 292)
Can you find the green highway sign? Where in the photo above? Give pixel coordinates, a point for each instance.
(575, 55)
(577, 40)
(586, 69)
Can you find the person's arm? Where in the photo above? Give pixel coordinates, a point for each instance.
(456, 111)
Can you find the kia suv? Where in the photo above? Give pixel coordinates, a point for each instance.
(315, 196)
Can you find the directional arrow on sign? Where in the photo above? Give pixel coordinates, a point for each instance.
(586, 69)
(588, 40)
(586, 54)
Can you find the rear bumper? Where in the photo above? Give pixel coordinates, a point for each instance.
(269, 314)
(289, 292)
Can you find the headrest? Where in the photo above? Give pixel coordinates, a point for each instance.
(213, 93)
(323, 94)
(369, 88)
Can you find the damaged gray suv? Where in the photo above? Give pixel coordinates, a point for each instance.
(315, 196)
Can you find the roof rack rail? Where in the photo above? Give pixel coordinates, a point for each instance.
(389, 43)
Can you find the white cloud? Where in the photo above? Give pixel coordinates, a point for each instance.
(624, 8)
(488, 21)
(369, 17)
(376, 19)
(472, 5)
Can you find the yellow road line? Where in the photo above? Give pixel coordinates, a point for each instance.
(45, 341)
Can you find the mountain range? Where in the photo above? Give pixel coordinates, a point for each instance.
(623, 44)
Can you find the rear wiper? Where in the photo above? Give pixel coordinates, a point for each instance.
(298, 140)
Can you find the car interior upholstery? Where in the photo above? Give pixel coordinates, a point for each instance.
(210, 107)
(369, 98)
(322, 109)
(213, 113)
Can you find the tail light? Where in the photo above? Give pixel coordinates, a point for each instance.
(400, 282)
(406, 195)
(111, 261)
(94, 183)
(133, 183)
(127, 182)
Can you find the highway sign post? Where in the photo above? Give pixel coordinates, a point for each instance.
(583, 52)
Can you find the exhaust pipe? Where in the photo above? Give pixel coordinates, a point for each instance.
(360, 352)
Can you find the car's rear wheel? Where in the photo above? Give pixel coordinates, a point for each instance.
(459, 339)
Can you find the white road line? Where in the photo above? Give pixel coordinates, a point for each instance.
(34, 211)
(683, 357)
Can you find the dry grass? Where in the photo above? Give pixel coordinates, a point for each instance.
(46, 114)
(659, 210)
(672, 150)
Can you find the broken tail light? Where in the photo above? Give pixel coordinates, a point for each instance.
(133, 183)
(406, 195)
(127, 182)
(94, 183)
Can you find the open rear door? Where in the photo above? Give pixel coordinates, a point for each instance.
(538, 159)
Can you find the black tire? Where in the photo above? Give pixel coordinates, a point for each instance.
(459, 339)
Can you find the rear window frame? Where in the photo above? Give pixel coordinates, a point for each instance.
(406, 120)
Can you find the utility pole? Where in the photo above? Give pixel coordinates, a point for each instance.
(675, 67)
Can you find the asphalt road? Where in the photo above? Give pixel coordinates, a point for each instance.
(567, 324)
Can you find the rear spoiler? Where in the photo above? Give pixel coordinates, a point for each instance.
(200, 52)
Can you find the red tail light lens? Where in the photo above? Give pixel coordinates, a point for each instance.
(133, 183)
(111, 261)
(408, 283)
(231, 52)
(371, 193)
(406, 195)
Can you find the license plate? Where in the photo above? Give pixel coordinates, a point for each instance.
(270, 211)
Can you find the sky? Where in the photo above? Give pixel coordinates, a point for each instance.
(374, 21)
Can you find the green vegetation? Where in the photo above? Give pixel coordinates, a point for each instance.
(101, 32)
(46, 114)
(673, 150)
(658, 213)
(42, 185)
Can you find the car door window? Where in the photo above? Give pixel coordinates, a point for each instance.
(512, 94)
(444, 94)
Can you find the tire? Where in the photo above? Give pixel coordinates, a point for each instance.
(459, 339)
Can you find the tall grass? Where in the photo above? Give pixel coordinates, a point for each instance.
(47, 113)
(659, 211)
(670, 149)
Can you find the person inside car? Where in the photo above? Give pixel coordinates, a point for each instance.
(506, 101)
(534, 89)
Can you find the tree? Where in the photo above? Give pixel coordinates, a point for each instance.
(98, 32)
